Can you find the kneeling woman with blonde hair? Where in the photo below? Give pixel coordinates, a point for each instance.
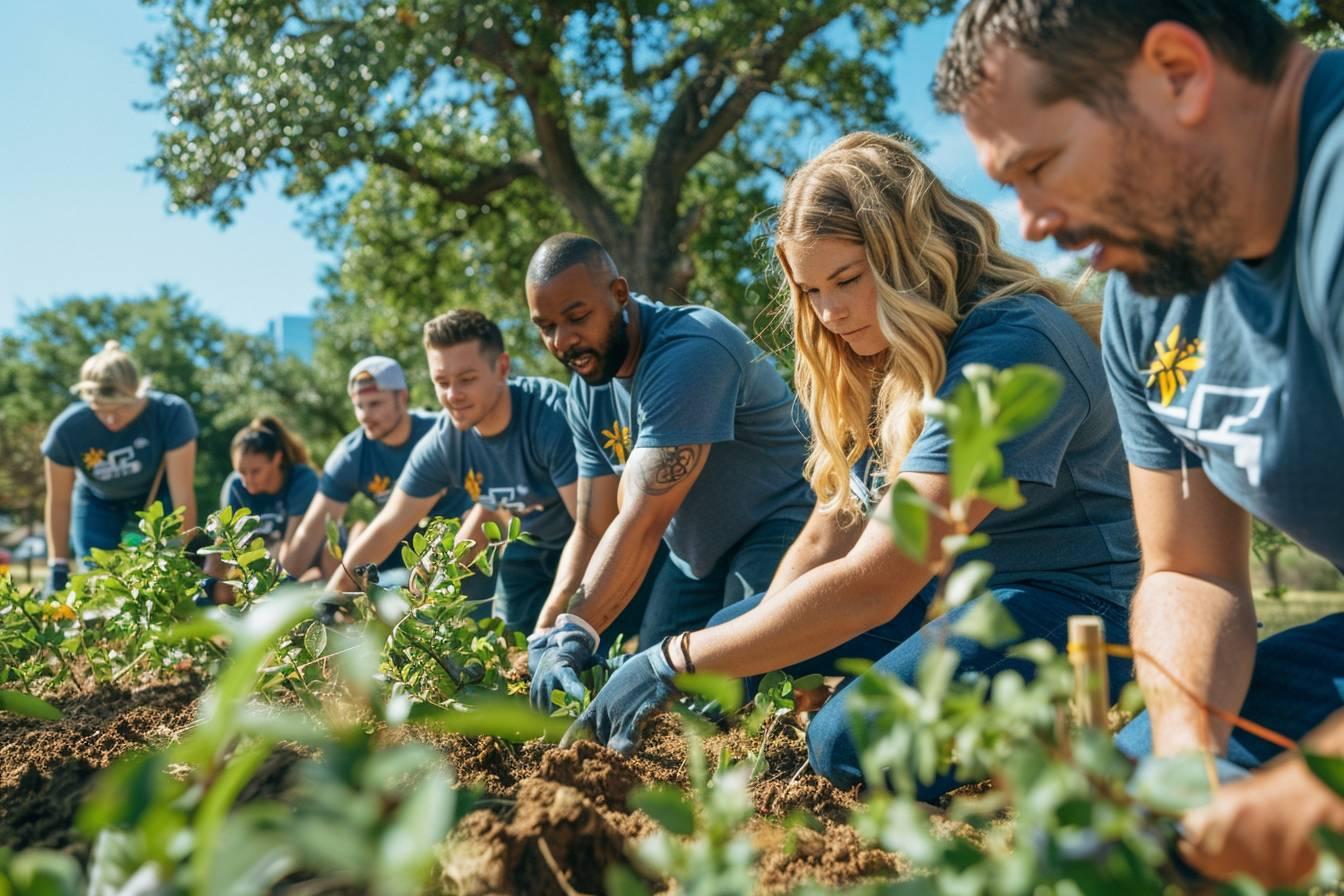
(118, 449)
(894, 285)
(274, 479)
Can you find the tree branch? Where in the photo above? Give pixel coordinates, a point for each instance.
(486, 182)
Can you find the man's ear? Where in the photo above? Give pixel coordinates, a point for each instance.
(620, 290)
(503, 364)
(1176, 69)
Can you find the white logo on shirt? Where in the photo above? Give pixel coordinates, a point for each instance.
(117, 465)
(1232, 407)
(508, 498)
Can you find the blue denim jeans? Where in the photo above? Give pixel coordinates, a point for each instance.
(1298, 680)
(98, 523)
(896, 647)
(680, 603)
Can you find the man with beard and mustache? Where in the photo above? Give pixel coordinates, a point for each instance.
(504, 441)
(369, 460)
(1198, 148)
(685, 433)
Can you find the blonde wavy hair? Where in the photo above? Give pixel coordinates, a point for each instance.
(934, 257)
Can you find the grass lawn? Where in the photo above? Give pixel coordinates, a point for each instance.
(1295, 608)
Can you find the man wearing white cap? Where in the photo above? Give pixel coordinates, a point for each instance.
(369, 460)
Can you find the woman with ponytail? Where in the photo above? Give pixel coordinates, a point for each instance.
(113, 452)
(273, 478)
(893, 285)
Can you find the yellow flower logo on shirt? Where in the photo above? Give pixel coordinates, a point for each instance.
(93, 457)
(618, 441)
(1174, 362)
(473, 484)
(379, 485)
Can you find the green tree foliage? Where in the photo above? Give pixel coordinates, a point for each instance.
(1321, 23)
(226, 376)
(436, 142)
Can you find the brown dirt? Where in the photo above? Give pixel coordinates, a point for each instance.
(574, 800)
(46, 768)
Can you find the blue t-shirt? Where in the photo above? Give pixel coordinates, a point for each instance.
(293, 498)
(119, 466)
(868, 481)
(1246, 379)
(699, 380)
(520, 470)
(360, 465)
(1076, 531)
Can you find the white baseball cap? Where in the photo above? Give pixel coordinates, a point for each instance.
(375, 372)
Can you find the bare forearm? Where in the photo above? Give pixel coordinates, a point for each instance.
(819, 611)
(821, 541)
(615, 571)
(1203, 634)
(573, 564)
(1328, 737)
(58, 528)
(373, 544)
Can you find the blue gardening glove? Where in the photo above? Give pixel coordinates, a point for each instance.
(567, 650)
(58, 577)
(639, 688)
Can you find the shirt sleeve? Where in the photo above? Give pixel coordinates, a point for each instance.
(431, 466)
(557, 446)
(1148, 443)
(302, 489)
(688, 394)
(1036, 455)
(179, 425)
(591, 462)
(339, 475)
(55, 446)
(1320, 253)
(231, 494)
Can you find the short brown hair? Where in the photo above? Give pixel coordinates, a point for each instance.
(1086, 45)
(463, 325)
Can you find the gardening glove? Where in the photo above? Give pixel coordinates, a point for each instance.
(570, 650)
(638, 689)
(334, 608)
(537, 642)
(58, 577)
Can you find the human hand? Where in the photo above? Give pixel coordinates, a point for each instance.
(567, 650)
(1262, 826)
(637, 690)
(58, 577)
(334, 608)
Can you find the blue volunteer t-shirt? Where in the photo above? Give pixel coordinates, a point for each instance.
(293, 498)
(360, 465)
(868, 480)
(520, 470)
(118, 466)
(1076, 531)
(700, 380)
(1246, 379)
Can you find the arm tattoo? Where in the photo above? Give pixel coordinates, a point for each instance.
(578, 597)
(669, 466)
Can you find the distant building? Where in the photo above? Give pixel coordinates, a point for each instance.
(293, 335)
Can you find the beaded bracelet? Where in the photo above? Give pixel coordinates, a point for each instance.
(686, 652)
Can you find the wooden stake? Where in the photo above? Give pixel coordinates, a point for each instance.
(1087, 653)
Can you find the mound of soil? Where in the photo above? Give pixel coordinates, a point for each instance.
(556, 818)
(47, 768)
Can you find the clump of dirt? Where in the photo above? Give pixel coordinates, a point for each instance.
(47, 768)
(554, 833)
(563, 813)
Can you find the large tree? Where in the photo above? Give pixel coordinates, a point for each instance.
(437, 141)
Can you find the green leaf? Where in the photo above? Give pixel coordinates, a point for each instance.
(967, 582)
(1329, 769)
(1025, 393)
(502, 717)
(491, 530)
(1172, 784)
(315, 640)
(409, 558)
(419, 542)
(515, 527)
(809, 682)
(666, 805)
(28, 705)
(987, 622)
(333, 536)
(621, 881)
(726, 691)
(909, 520)
(956, 544)
(1004, 494)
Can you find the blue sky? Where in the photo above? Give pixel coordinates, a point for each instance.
(77, 218)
